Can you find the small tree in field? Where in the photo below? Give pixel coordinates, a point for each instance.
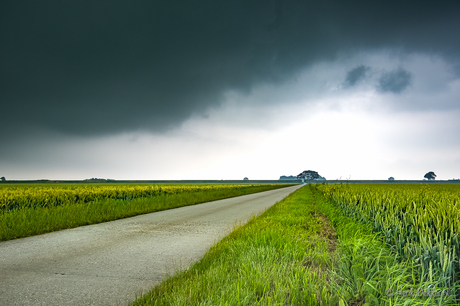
(3, 178)
(430, 176)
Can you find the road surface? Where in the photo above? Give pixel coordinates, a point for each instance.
(109, 263)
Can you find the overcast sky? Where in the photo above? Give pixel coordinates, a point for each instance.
(228, 89)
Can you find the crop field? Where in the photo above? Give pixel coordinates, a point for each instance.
(30, 209)
(420, 223)
(333, 244)
(33, 196)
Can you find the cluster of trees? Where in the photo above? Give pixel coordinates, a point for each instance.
(2, 178)
(430, 176)
(310, 175)
(305, 175)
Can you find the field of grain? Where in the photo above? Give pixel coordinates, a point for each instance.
(31, 209)
(33, 196)
(421, 223)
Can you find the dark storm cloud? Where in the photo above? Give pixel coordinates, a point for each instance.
(394, 81)
(98, 67)
(355, 75)
(278, 16)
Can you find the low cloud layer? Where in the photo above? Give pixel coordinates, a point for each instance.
(97, 68)
(394, 81)
(355, 75)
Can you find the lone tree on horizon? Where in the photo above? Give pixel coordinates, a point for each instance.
(430, 176)
(2, 178)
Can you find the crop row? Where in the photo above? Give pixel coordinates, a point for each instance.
(32, 196)
(421, 222)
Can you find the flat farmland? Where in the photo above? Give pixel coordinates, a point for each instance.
(32, 209)
(320, 244)
(108, 263)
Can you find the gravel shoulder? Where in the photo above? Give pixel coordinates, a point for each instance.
(109, 263)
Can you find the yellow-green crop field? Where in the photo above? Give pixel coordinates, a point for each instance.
(34, 196)
(421, 222)
(32, 209)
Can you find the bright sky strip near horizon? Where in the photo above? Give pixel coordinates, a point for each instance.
(181, 90)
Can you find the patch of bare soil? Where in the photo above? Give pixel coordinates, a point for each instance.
(321, 251)
(328, 232)
(326, 235)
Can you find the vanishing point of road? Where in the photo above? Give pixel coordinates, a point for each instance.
(109, 263)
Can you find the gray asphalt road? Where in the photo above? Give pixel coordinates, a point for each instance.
(108, 263)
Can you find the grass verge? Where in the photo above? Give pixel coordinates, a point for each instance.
(33, 221)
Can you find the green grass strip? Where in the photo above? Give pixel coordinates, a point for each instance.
(33, 221)
(279, 258)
